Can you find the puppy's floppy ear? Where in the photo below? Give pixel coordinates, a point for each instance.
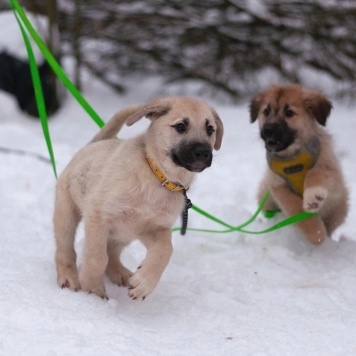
(319, 107)
(219, 130)
(153, 110)
(254, 107)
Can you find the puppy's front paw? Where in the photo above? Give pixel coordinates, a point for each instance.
(68, 278)
(140, 286)
(314, 198)
(71, 282)
(314, 230)
(120, 275)
(97, 289)
(67, 274)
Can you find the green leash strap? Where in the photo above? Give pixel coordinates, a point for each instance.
(38, 94)
(24, 23)
(210, 217)
(19, 12)
(240, 228)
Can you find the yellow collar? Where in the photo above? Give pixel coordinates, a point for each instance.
(294, 169)
(173, 187)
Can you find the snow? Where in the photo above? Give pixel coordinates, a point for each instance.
(11, 39)
(221, 294)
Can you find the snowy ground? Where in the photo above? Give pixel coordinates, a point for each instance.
(233, 294)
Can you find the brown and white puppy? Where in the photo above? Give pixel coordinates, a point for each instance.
(111, 186)
(303, 172)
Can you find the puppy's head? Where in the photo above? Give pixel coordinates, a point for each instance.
(184, 130)
(288, 116)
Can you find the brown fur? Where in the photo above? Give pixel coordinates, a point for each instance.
(324, 187)
(111, 187)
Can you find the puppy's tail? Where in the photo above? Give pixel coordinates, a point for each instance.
(114, 125)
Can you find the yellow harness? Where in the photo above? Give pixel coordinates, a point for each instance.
(294, 169)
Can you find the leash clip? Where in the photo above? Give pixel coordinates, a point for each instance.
(188, 205)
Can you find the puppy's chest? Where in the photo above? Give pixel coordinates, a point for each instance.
(161, 209)
(293, 170)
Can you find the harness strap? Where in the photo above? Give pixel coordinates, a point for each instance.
(294, 169)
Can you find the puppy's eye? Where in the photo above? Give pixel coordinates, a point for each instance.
(289, 113)
(209, 130)
(266, 111)
(180, 127)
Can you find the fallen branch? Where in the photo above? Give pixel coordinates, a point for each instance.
(24, 153)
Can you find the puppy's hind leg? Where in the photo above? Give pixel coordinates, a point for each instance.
(66, 219)
(95, 257)
(337, 216)
(270, 203)
(116, 271)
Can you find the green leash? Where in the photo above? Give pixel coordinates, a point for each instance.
(38, 93)
(24, 25)
(19, 13)
(240, 228)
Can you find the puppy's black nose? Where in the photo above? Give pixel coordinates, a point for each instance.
(277, 136)
(269, 130)
(201, 153)
(194, 156)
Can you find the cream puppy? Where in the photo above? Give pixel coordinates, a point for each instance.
(131, 189)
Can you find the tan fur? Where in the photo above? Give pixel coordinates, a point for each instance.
(324, 187)
(110, 186)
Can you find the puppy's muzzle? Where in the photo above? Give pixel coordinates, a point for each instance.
(194, 157)
(277, 136)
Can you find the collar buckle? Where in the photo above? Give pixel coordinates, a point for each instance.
(173, 187)
(165, 182)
